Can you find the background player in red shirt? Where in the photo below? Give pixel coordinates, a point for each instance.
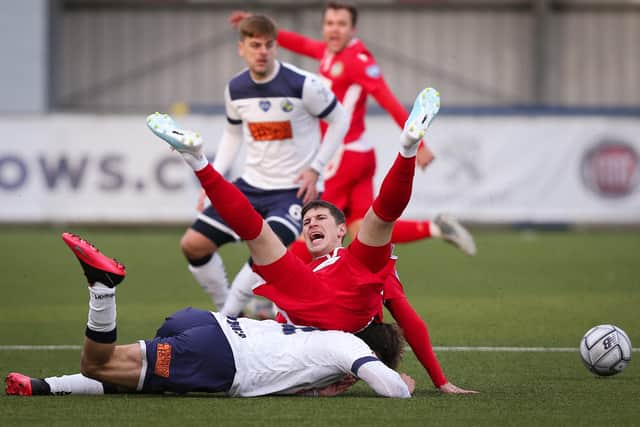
(352, 73)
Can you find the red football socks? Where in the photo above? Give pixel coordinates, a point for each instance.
(395, 191)
(231, 204)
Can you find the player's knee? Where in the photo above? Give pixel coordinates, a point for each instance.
(195, 246)
(90, 368)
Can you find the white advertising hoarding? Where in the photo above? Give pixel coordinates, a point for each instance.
(84, 168)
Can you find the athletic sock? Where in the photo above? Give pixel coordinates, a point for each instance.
(212, 277)
(435, 230)
(231, 204)
(101, 322)
(410, 231)
(74, 384)
(241, 291)
(395, 190)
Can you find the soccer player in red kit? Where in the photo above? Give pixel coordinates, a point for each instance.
(343, 287)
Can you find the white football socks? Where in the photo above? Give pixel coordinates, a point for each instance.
(74, 384)
(408, 145)
(196, 163)
(435, 230)
(241, 291)
(102, 308)
(212, 277)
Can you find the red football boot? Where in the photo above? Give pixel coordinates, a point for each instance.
(97, 266)
(18, 384)
(22, 385)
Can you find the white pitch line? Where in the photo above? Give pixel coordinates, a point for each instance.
(40, 347)
(439, 348)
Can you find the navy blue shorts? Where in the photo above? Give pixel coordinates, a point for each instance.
(280, 208)
(189, 353)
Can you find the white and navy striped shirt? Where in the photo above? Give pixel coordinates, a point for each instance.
(280, 124)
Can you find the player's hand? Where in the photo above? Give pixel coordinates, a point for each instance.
(338, 387)
(202, 198)
(308, 191)
(449, 388)
(410, 382)
(236, 16)
(425, 156)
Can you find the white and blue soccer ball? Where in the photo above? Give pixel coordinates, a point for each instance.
(605, 350)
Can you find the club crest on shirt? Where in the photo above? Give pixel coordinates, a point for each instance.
(336, 69)
(286, 105)
(373, 71)
(265, 105)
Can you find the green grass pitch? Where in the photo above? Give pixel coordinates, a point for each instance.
(523, 289)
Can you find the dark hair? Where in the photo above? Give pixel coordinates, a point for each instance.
(350, 7)
(386, 341)
(336, 213)
(257, 26)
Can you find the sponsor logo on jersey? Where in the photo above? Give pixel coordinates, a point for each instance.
(163, 360)
(270, 131)
(336, 69)
(610, 169)
(286, 105)
(373, 71)
(265, 105)
(363, 57)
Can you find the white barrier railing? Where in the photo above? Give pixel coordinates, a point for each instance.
(84, 168)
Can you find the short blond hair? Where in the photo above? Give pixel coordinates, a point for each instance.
(257, 26)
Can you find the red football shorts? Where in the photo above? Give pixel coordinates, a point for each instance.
(351, 187)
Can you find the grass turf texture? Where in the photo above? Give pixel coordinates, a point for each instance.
(523, 289)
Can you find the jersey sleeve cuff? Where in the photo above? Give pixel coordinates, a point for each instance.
(361, 361)
(329, 109)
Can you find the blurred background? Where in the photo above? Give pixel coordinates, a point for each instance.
(541, 101)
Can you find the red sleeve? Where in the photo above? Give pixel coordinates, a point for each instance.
(417, 335)
(390, 103)
(366, 72)
(300, 44)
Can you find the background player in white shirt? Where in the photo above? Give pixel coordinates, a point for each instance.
(274, 108)
(201, 351)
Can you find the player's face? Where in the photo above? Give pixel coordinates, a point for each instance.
(337, 29)
(259, 53)
(320, 231)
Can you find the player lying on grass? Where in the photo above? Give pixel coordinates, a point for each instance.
(201, 351)
(342, 288)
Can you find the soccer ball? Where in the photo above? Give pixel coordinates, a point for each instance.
(605, 350)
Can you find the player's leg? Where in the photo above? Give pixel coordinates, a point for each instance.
(444, 227)
(231, 204)
(360, 190)
(22, 385)
(200, 245)
(282, 211)
(395, 191)
(102, 274)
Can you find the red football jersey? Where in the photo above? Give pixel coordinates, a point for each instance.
(338, 291)
(352, 74)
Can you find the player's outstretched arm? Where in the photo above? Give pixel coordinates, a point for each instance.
(385, 381)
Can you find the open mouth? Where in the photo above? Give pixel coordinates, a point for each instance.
(316, 235)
